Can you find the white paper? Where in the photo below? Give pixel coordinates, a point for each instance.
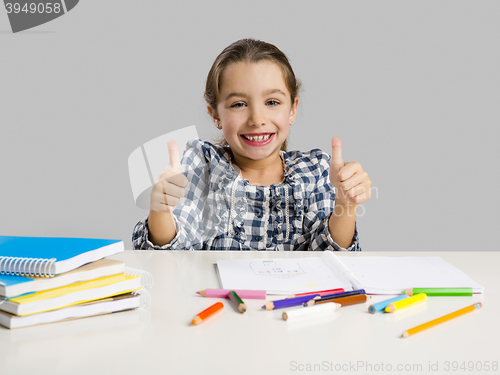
(279, 276)
(377, 275)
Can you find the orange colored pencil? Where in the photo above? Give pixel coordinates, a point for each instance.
(442, 319)
(344, 301)
(216, 307)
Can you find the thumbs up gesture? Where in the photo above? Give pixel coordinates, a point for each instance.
(352, 184)
(169, 187)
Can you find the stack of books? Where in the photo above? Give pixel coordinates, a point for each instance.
(49, 279)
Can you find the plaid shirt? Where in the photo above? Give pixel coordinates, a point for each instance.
(223, 211)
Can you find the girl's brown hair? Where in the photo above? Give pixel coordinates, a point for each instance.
(249, 51)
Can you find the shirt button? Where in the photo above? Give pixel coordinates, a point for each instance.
(259, 193)
(258, 238)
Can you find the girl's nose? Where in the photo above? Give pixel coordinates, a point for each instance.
(257, 117)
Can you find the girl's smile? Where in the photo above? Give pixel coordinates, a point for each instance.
(258, 139)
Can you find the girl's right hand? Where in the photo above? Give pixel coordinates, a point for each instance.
(169, 187)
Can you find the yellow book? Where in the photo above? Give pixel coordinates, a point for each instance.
(15, 285)
(71, 294)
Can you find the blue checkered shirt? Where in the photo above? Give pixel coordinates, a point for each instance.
(223, 211)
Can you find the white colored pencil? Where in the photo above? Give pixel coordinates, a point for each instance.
(311, 312)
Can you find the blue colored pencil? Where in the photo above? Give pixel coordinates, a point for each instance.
(382, 305)
(288, 302)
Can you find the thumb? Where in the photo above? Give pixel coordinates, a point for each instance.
(173, 152)
(337, 161)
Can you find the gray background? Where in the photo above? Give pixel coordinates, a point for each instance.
(412, 88)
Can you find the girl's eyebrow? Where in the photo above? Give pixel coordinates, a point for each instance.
(267, 92)
(274, 91)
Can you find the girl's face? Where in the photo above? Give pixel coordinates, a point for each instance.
(254, 109)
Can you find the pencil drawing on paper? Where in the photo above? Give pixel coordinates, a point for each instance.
(282, 269)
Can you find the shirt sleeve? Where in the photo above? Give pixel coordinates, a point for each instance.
(319, 207)
(188, 213)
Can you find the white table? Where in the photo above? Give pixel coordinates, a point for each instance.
(161, 340)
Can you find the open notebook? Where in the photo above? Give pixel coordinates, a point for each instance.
(377, 275)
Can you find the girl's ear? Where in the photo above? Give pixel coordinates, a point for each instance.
(212, 112)
(293, 110)
(215, 118)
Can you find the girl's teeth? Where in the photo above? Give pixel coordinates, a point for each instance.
(258, 138)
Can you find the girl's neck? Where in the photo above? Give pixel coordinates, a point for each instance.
(261, 172)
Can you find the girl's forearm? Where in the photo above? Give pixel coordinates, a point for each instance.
(161, 228)
(342, 224)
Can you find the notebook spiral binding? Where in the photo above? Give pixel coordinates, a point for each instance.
(146, 283)
(146, 280)
(144, 297)
(27, 266)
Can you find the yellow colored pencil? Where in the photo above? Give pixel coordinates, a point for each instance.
(442, 319)
(417, 298)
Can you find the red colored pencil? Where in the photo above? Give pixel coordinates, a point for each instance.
(321, 293)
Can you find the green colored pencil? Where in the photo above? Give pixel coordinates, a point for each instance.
(437, 292)
(238, 302)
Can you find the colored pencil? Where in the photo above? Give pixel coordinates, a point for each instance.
(224, 293)
(442, 319)
(407, 302)
(312, 312)
(376, 307)
(238, 302)
(320, 292)
(437, 292)
(288, 302)
(344, 301)
(207, 313)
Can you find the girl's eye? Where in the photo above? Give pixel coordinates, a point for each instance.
(237, 105)
(273, 102)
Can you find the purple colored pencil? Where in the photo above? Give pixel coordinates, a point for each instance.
(289, 302)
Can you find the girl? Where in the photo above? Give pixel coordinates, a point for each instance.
(248, 192)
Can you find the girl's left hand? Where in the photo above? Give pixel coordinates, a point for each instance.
(352, 184)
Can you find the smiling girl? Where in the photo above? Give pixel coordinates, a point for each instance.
(249, 192)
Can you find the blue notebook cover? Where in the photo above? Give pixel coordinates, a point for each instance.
(61, 248)
(8, 280)
(46, 256)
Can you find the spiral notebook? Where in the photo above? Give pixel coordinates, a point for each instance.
(49, 256)
(377, 275)
(108, 305)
